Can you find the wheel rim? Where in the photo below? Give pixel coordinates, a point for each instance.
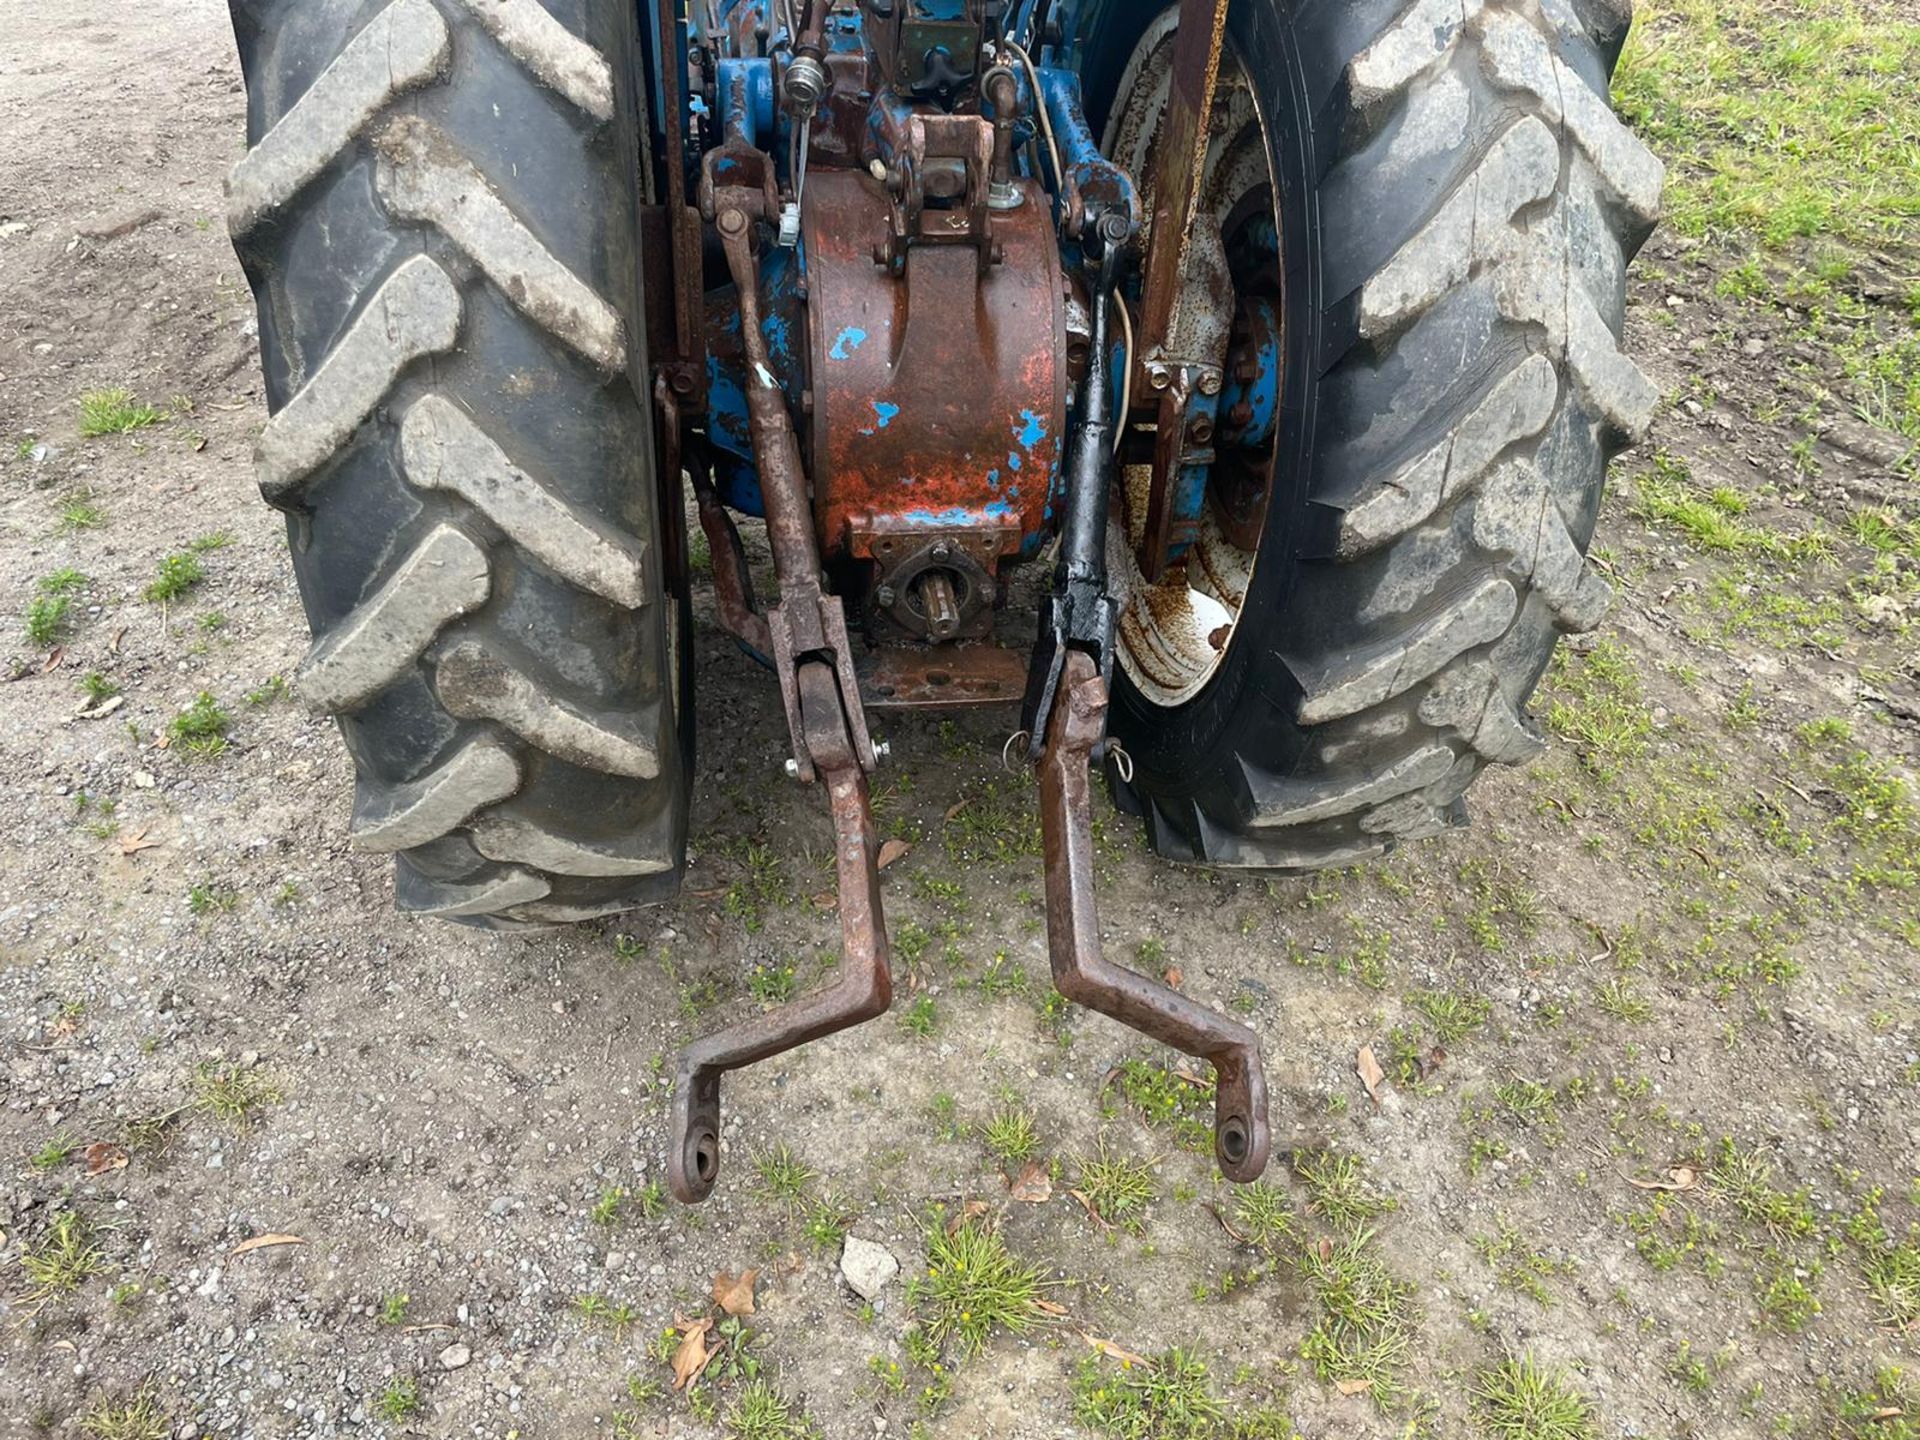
(1174, 635)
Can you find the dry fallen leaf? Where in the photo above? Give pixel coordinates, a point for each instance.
(1680, 1177)
(54, 660)
(1032, 1184)
(1370, 1072)
(972, 1210)
(136, 842)
(735, 1294)
(953, 810)
(118, 635)
(691, 1358)
(1353, 1387)
(103, 1156)
(100, 712)
(1215, 1211)
(263, 1242)
(1115, 1352)
(894, 851)
(1049, 1307)
(1174, 976)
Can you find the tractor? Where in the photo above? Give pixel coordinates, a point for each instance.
(1279, 338)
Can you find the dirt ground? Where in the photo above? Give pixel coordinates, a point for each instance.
(1648, 1028)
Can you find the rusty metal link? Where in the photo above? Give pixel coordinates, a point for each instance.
(1241, 1139)
(864, 989)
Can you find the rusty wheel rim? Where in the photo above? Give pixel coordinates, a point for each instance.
(1173, 635)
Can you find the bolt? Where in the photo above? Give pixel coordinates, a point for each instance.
(882, 749)
(731, 222)
(1158, 377)
(885, 597)
(793, 768)
(1209, 382)
(942, 551)
(1200, 429)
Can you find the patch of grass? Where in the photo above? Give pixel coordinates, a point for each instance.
(1363, 1334)
(1338, 1189)
(1173, 1098)
(201, 728)
(79, 512)
(606, 1209)
(177, 574)
(1516, 1264)
(399, 1399)
(65, 1259)
(55, 1153)
(1169, 1398)
(1453, 1017)
(1618, 998)
(1263, 1213)
(760, 1412)
(1779, 123)
(97, 688)
(138, 1417)
(47, 618)
(211, 898)
(233, 1093)
(783, 1177)
(1599, 706)
(772, 984)
(1709, 520)
(114, 412)
(1744, 1179)
(393, 1309)
(1520, 1399)
(598, 1310)
(1011, 1134)
(1893, 1281)
(1118, 1188)
(275, 689)
(974, 1286)
(920, 1017)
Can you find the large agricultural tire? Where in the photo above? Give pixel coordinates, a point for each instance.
(438, 213)
(1456, 207)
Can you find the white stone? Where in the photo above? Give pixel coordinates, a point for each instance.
(867, 1267)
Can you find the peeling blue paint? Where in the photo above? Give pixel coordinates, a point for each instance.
(1013, 459)
(886, 412)
(1031, 431)
(848, 341)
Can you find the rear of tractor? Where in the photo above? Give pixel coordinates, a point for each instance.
(1283, 335)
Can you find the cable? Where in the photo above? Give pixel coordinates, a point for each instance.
(1040, 105)
(1126, 374)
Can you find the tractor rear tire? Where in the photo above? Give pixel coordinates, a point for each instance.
(1456, 204)
(438, 213)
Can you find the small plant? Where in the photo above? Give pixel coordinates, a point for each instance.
(1117, 1188)
(1520, 1400)
(393, 1309)
(178, 573)
(233, 1093)
(598, 1310)
(213, 622)
(1263, 1214)
(138, 1417)
(651, 1200)
(55, 1152)
(920, 1017)
(399, 1400)
(201, 729)
(1011, 1134)
(65, 1260)
(97, 688)
(114, 412)
(47, 618)
(772, 984)
(208, 898)
(761, 1412)
(783, 1177)
(274, 689)
(78, 512)
(1363, 1334)
(974, 1286)
(606, 1209)
(1339, 1190)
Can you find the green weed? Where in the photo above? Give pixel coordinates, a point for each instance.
(114, 412)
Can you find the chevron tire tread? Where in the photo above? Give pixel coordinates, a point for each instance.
(437, 211)
(1469, 204)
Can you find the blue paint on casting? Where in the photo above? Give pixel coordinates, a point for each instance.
(1032, 430)
(848, 341)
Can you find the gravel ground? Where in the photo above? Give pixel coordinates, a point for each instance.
(1648, 1027)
